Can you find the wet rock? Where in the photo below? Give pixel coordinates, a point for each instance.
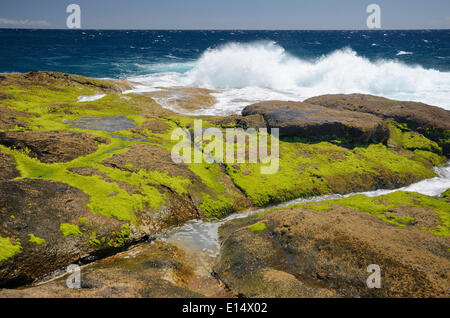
(158, 269)
(433, 122)
(317, 123)
(109, 124)
(51, 146)
(53, 227)
(326, 253)
(185, 98)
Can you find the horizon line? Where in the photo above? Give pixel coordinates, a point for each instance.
(225, 29)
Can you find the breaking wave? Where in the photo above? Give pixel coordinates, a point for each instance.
(264, 70)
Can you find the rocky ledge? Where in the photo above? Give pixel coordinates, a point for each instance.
(433, 122)
(81, 179)
(324, 249)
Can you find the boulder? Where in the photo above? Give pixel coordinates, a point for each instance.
(317, 123)
(431, 121)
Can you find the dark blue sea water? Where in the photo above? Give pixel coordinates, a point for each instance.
(104, 53)
(251, 65)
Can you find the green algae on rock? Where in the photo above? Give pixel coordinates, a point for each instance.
(47, 225)
(322, 168)
(257, 227)
(69, 229)
(36, 239)
(398, 208)
(323, 249)
(400, 137)
(8, 249)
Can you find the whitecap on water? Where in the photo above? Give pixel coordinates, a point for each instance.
(403, 53)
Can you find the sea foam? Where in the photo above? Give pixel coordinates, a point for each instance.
(90, 98)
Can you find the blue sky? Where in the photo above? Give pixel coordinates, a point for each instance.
(226, 14)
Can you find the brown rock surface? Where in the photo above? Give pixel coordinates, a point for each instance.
(51, 146)
(7, 167)
(184, 98)
(9, 120)
(327, 253)
(423, 116)
(155, 126)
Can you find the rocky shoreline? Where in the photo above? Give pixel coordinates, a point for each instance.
(83, 180)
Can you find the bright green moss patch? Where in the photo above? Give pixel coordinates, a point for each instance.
(69, 229)
(57, 104)
(216, 208)
(209, 174)
(257, 227)
(8, 249)
(35, 239)
(410, 140)
(429, 157)
(94, 242)
(317, 169)
(142, 178)
(317, 206)
(82, 220)
(413, 141)
(126, 231)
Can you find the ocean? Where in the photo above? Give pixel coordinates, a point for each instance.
(245, 66)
